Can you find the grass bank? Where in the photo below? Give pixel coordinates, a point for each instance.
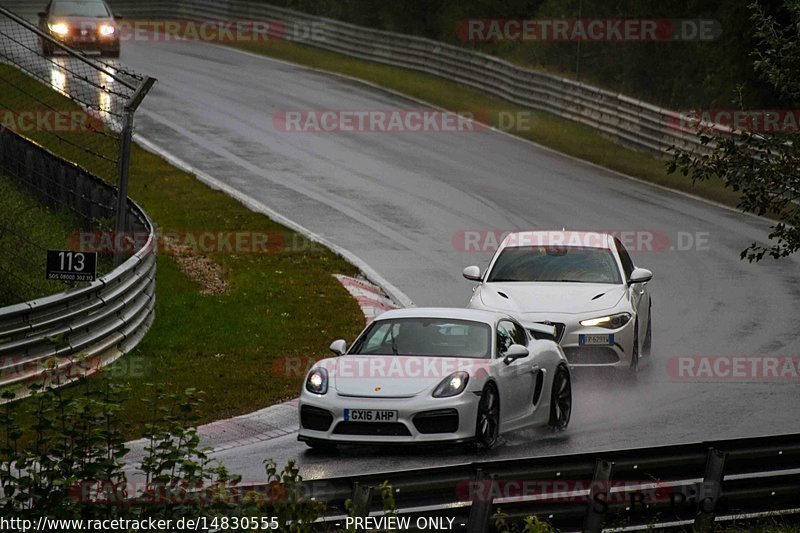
(27, 231)
(225, 321)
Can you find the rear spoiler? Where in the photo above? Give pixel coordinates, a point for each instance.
(541, 331)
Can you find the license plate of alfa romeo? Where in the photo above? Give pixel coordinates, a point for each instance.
(596, 340)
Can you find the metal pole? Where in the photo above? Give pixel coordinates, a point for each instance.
(595, 514)
(578, 54)
(480, 512)
(709, 492)
(123, 166)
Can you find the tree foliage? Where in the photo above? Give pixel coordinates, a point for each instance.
(64, 456)
(764, 166)
(674, 74)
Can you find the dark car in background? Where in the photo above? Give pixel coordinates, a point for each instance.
(86, 25)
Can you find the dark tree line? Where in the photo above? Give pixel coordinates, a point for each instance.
(679, 75)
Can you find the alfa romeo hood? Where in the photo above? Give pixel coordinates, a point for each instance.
(551, 297)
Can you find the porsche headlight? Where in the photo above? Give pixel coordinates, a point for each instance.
(609, 322)
(59, 28)
(317, 381)
(453, 385)
(107, 29)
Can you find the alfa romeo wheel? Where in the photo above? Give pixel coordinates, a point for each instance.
(648, 336)
(634, 368)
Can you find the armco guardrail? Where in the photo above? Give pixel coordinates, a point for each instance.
(675, 485)
(66, 336)
(623, 119)
(87, 327)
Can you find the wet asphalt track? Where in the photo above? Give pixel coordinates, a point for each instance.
(397, 200)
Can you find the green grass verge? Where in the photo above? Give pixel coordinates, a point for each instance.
(280, 304)
(27, 231)
(559, 134)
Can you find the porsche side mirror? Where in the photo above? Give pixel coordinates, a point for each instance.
(514, 352)
(640, 275)
(339, 347)
(472, 273)
(41, 14)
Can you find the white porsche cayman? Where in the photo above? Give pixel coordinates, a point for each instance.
(425, 375)
(583, 283)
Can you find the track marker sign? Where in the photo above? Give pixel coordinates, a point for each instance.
(65, 265)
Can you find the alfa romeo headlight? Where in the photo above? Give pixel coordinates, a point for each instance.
(609, 322)
(317, 381)
(453, 385)
(107, 29)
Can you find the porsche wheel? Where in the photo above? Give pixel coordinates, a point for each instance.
(560, 400)
(487, 429)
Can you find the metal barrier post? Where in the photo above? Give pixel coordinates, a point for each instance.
(708, 494)
(362, 497)
(481, 510)
(593, 522)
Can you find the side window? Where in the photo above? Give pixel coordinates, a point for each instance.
(505, 336)
(520, 336)
(627, 263)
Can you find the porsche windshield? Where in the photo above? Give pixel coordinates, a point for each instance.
(576, 264)
(438, 337)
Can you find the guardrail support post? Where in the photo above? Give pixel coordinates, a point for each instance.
(362, 498)
(708, 493)
(596, 513)
(480, 513)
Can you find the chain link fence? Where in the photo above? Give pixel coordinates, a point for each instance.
(81, 110)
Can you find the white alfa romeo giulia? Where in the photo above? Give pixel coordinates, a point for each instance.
(583, 283)
(422, 375)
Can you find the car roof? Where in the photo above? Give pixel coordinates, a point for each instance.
(455, 313)
(586, 239)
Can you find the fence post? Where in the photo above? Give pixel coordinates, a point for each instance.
(123, 167)
(480, 512)
(593, 522)
(708, 493)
